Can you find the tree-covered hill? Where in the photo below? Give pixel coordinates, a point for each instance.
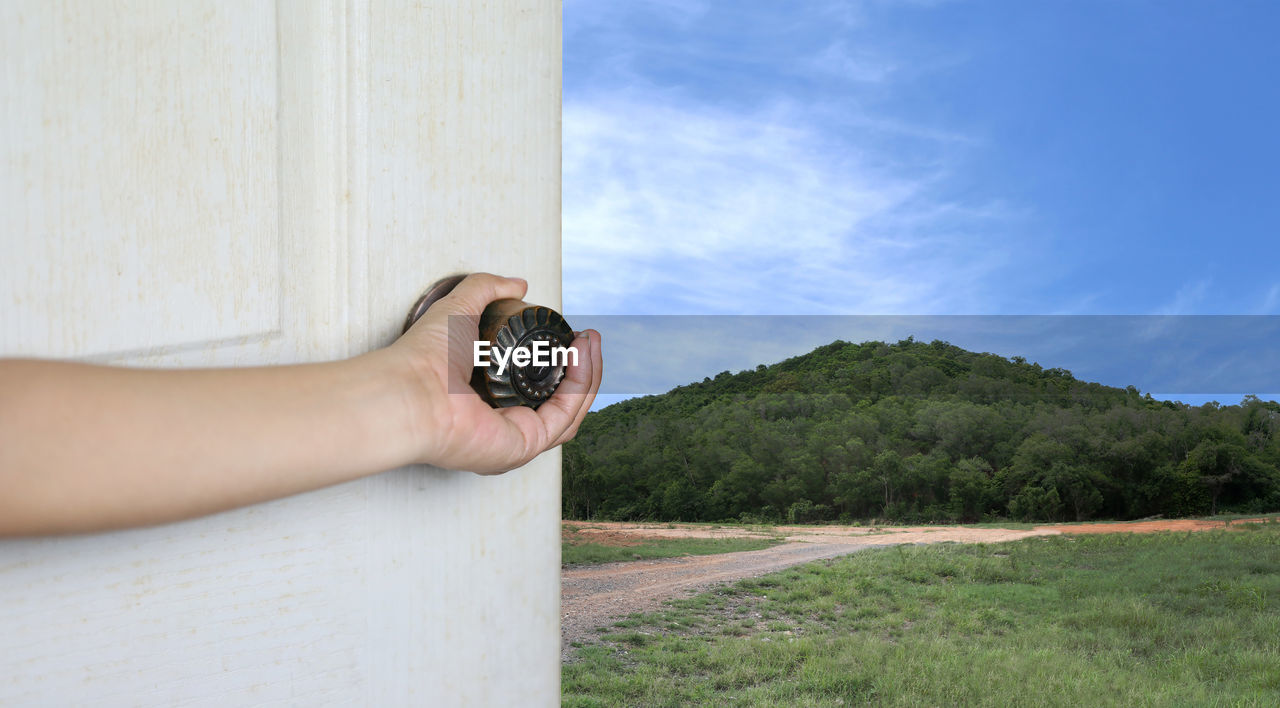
(917, 432)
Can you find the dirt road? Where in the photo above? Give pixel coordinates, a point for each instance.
(595, 596)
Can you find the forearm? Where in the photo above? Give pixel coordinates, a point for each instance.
(84, 448)
(89, 447)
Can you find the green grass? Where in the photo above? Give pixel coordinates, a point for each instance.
(1235, 516)
(587, 553)
(1124, 619)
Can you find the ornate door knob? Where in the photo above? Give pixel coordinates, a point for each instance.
(524, 344)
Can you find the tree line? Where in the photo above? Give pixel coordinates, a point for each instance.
(917, 432)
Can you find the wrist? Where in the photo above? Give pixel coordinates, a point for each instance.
(390, 411)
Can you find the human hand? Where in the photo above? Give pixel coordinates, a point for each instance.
(458, 430)
(86, 448)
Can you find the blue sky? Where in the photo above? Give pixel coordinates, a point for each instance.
(921, 157)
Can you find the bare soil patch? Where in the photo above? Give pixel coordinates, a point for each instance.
(596, 596)
(1154, 526)
(605, 537)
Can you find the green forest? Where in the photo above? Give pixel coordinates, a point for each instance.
(919, 433)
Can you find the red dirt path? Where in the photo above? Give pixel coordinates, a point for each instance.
(594, 596)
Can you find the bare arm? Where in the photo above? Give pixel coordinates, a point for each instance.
(87, 447)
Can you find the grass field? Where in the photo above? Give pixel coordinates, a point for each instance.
(1124, 619)
(578, 549)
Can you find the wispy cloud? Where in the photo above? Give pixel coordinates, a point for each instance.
(1188, 297)
(592, 14)
(842, 61)
(678, 207)
(1169, 316)
(1271, 303)
(747, 194)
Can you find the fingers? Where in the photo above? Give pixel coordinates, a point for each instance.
(563, 412)
(477, 290)
(574, 376)
(557, 420)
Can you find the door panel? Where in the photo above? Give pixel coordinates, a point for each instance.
(465, 174)
(220, 183)
(140, 144)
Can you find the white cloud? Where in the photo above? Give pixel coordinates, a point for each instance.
(706, 175)
(675, 206)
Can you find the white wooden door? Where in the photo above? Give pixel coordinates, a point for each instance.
(232, 182)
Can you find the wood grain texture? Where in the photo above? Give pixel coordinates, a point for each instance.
(241, 183)
(464, 175)
(134, 138)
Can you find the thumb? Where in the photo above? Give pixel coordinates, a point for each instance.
(477, 290)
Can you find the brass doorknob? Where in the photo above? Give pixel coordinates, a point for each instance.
(509, 326)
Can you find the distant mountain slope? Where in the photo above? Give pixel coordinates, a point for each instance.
(917, 432)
